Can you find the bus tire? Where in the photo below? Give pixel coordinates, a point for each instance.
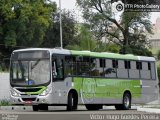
(35, 107)
(93, 106)
(118, 107)
(72, 102)
(126, 103)
(43, 107)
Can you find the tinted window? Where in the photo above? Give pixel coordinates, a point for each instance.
(127, 64)
(139, 65)
(102, 63)
(115, 63)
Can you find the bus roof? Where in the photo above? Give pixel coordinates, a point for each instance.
(91, 54)
(112, 55)
(51, 50)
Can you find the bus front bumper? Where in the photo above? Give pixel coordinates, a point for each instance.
(30, 100)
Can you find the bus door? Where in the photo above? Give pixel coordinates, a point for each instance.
(58, 67)
(58, 86)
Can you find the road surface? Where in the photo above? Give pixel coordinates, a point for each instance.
(59, 113)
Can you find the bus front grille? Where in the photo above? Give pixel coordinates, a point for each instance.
(29, 89)
(28, 99)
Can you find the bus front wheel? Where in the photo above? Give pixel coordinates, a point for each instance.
(43, 107)
(72, 102)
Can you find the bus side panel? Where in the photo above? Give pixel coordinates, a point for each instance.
(60, 90)
(115, 88)
(77, 85)
(86, 90)
(105, 91)
(149, 91)
(110, 91)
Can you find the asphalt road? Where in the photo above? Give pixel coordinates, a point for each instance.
(59, 113)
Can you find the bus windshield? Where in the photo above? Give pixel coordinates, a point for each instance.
(30, 72)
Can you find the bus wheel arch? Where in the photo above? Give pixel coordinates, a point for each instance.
(126, 101)
(72, 101)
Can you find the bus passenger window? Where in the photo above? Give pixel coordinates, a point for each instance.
(94, 68)
(109, 70)
(145, 73)
(115, 63)
(102, 63)
(149, 66)
(127, 64)
(139, 65)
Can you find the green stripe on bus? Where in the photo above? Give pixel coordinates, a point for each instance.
(106, 88)
(104, 55)
(38, 92)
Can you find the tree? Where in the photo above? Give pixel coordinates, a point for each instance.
(126, 32)
(69, 30)
(85, 40)
(158, 55)
(107, 47)
(23, 23)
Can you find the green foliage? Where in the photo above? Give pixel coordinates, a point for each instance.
(137, 50)
(0, 68)
(131, 30)
(107, 47)
(3, 69)
(158, 71)
(69, 30)
(23, 23)
(4, 103)
(85, 41)
(113, 48)
(158, 55)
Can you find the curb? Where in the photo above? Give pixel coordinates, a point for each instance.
(149, 110)
(18, 108)
(29, 108)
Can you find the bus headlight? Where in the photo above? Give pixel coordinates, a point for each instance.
(46, 91)
(14, 93)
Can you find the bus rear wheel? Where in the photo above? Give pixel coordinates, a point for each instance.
(126, 103)
(72, 102)
(93, 107)
(43, 107)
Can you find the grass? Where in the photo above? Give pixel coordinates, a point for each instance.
(3, 69)
(4, 103)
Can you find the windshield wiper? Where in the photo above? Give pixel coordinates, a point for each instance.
(35, 64)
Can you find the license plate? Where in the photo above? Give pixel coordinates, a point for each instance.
(28, 102)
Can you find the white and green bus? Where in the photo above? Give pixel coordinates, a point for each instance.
(51, 77)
